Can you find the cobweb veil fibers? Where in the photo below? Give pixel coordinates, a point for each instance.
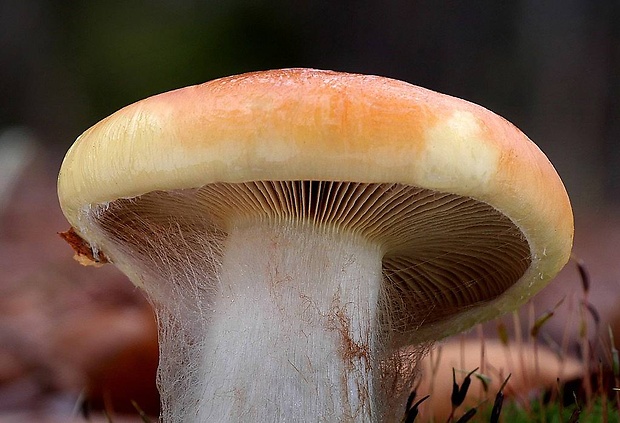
(298, 299)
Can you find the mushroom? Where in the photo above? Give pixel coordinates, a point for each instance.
(296, 229)
(533, 371)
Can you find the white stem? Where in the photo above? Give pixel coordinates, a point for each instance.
(292, 337)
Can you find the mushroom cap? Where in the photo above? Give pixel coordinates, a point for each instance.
(532, 369)
(312, 125)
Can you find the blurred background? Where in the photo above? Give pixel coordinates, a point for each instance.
(67, 332)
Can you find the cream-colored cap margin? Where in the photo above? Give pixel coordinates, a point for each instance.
(302, 124)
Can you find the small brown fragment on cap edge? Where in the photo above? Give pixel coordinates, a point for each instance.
(84, 253)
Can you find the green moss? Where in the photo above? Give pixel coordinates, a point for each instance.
(551, 413)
